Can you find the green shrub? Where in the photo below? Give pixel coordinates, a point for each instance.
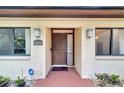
(4, 81)
(20, 82)
(106, 78)
(114, 79)
(103, 77)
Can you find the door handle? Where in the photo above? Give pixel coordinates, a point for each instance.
(51, 49)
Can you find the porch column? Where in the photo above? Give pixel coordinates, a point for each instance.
(88, 54)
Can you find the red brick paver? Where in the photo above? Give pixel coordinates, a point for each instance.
(63, 79)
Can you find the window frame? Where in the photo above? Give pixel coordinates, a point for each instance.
(111, 41)
(22, 55)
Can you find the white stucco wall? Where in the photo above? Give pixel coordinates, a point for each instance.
(48, 50)
(90, 63)
(77, 50)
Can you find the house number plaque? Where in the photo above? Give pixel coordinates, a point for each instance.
(38, 42)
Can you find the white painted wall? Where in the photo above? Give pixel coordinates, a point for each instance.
(77, 51)
(48, 51)
(91, 64)
(88, 54)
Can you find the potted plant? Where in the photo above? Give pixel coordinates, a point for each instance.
(4, 81)
(20, 82)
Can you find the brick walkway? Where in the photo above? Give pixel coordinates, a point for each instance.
(63, 79)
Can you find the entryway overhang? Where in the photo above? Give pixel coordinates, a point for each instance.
(62, 12)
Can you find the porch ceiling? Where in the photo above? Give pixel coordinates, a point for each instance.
(62, 12)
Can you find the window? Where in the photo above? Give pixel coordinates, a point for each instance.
(15, 41)
(109, 41)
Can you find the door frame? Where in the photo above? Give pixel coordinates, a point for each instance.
(73, 33)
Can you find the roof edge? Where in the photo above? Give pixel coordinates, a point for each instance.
(65, 7)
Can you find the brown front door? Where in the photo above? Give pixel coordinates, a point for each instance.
(59, 49)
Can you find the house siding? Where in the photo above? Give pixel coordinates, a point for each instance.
(89, 64)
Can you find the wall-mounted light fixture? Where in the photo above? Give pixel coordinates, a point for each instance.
(96, 37)
(89, 33)
(37, 32)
